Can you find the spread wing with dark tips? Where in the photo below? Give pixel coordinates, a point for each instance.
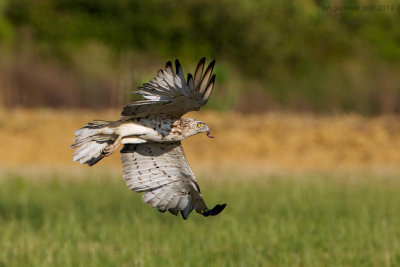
(162, 172)
(170, 93)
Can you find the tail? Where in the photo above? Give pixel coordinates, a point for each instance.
(94, 141)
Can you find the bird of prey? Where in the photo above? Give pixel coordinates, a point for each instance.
(151, 131)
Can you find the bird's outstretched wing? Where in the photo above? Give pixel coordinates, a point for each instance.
(162, 172)
(169, 93)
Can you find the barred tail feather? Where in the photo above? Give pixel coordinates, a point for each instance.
(91, 140)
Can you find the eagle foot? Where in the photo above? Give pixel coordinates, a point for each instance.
(108, 150)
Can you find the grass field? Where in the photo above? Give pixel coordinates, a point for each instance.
(91, 219)
(301, 190)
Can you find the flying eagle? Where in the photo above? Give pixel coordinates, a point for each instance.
(151, 131)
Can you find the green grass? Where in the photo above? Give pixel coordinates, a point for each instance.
(272, 220)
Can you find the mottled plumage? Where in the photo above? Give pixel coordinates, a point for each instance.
(152, 158)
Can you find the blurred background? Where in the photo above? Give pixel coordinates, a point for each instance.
(291, 55)
(306, 111)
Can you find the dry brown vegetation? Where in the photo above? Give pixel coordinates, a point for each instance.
(258, 142)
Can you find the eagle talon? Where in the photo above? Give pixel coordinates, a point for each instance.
(108, 150)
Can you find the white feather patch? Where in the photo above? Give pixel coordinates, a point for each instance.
(128, 129)
(132, 140)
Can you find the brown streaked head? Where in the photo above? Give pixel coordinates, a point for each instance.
(193, 126)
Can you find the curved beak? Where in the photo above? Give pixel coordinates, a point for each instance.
(209, 135)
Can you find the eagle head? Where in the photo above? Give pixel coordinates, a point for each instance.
(192, 126)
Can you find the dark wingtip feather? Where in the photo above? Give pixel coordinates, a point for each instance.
(173, 211)
(179, 70)
(215, 211)
(211, 65)
(202, 61)
(199, 72)
(209, 88)
(206, 78)
(189, 79)
(178, 67)
(168, 65)
(94, 160)
(184, 216)
(212, 80)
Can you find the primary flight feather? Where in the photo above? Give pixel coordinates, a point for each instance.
(150, 131)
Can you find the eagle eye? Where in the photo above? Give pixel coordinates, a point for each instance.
(199, 125)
